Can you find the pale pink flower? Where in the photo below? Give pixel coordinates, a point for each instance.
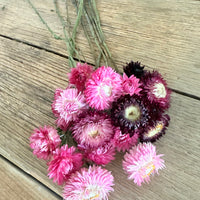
(124, 142)
(56, 96)
(94, 183)
(79, 75)
(65, 162)
(69, 104)
(101, 155)
(141, 162)
(103, 88)
(44, 141)
(93, 129)
(131, 85)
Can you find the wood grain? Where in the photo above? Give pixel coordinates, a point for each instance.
(15, 184)
(164, 35)
(29, 77)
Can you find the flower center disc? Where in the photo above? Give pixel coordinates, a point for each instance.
(94, 133)
(107, 90)
(132, 113)
(155, 130)
(147, 170)
(159, 90)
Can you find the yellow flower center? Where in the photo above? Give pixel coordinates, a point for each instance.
(147, 170)
(93, 133)
(132, 113)
(152, 132)
(159, 90)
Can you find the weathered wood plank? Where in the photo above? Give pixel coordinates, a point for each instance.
(28, 79)
(15, 184)
(163, 34)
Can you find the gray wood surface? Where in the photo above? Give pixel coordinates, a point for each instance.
(162, 34)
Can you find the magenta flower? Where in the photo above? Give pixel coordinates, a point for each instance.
(94, 183)
(65, 162)
(79, 75)
(131, 85)
(124, 142)
(101, 155)
(69, 104)
(93, 129)
(141, 162)
(44, 141)
(103, 88)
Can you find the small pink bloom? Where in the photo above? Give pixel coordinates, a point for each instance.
(141, 162)
(65, 162)
(79, 75)
(94, 183)
(93, 129)
(131, 85)
(44, 141)
(124, 142)
(69, 104)
(101, 155)
(103, 88)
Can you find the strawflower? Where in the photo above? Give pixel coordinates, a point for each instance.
(69, 104)
(94, 183)
(44, 141)
(131, 85)
(65, 162)
(141, 161)
(101, 155)
(103, 88)
(79, 75)
(124, 142)
(93, 129)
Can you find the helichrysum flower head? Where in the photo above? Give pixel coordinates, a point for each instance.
(65, 162)
(103, 88)
(69, 104)
(101, 155)
(93, 129)
(123, 141)
(94, 183)
(141, 161)
(79, 75)
(129, 112)
(156, 90)
(44, 141)
(131, 85)
(134, 68)
(154, 131)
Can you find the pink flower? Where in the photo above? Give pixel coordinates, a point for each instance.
(69, 104)
(124, 142)
(93, 129)
(44, 141)
(65, 162)
(57, 94)
(79, 75)
(101, 155)
(141, 162)
(94, 183)
(131, 85)
(103, 88)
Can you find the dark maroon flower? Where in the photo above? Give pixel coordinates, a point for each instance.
(154, 131)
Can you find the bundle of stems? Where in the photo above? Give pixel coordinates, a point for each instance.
(88, 18)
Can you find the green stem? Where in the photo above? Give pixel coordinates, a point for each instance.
(43, 21)
(69, 43)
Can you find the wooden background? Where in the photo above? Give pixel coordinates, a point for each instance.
(163, 35)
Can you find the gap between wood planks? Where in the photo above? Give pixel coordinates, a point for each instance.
(32, 177)
(64, 56)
